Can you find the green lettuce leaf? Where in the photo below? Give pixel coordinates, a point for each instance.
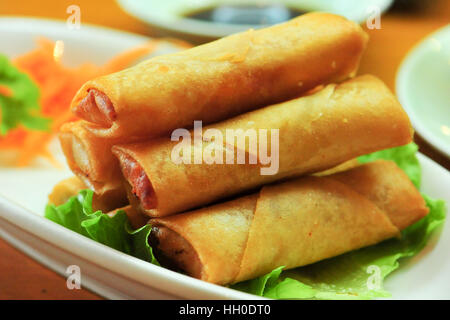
(357, 274)
(258, 285)
(22, 106)
(141, 247)
(115, 232)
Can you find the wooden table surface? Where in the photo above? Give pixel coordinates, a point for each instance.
(23, 278)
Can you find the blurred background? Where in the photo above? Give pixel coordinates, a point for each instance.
(403, 25)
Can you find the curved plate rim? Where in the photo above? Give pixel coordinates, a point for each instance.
(403, 73)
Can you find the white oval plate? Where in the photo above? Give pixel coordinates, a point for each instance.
(168, 15)
(423, 88)
(112, 274)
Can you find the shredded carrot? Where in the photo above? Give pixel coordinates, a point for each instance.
(58, 85)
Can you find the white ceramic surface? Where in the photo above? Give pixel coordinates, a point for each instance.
(168, 15)
(112, 274)
(423, 88)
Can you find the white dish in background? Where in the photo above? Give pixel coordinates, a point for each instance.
(423, 88)
(168, 15)
(112, 274)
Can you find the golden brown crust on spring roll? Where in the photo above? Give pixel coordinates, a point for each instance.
(291, 224)
(223, 78)
(316, 132)
(317, 217)
(391, 192)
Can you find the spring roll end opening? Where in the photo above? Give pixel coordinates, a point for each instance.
(113, 131)
(174, 252)
(77, 158)
(80, 156)
(141, 187)
(95, 107)
(79, 162)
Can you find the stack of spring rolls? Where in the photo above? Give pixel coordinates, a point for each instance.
(229, 222)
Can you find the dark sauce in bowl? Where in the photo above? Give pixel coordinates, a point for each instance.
(245, 14)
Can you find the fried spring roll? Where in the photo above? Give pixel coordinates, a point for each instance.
(90, 158)
(316, 132)
(70, 187)
(291, 224)
(223, 78)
